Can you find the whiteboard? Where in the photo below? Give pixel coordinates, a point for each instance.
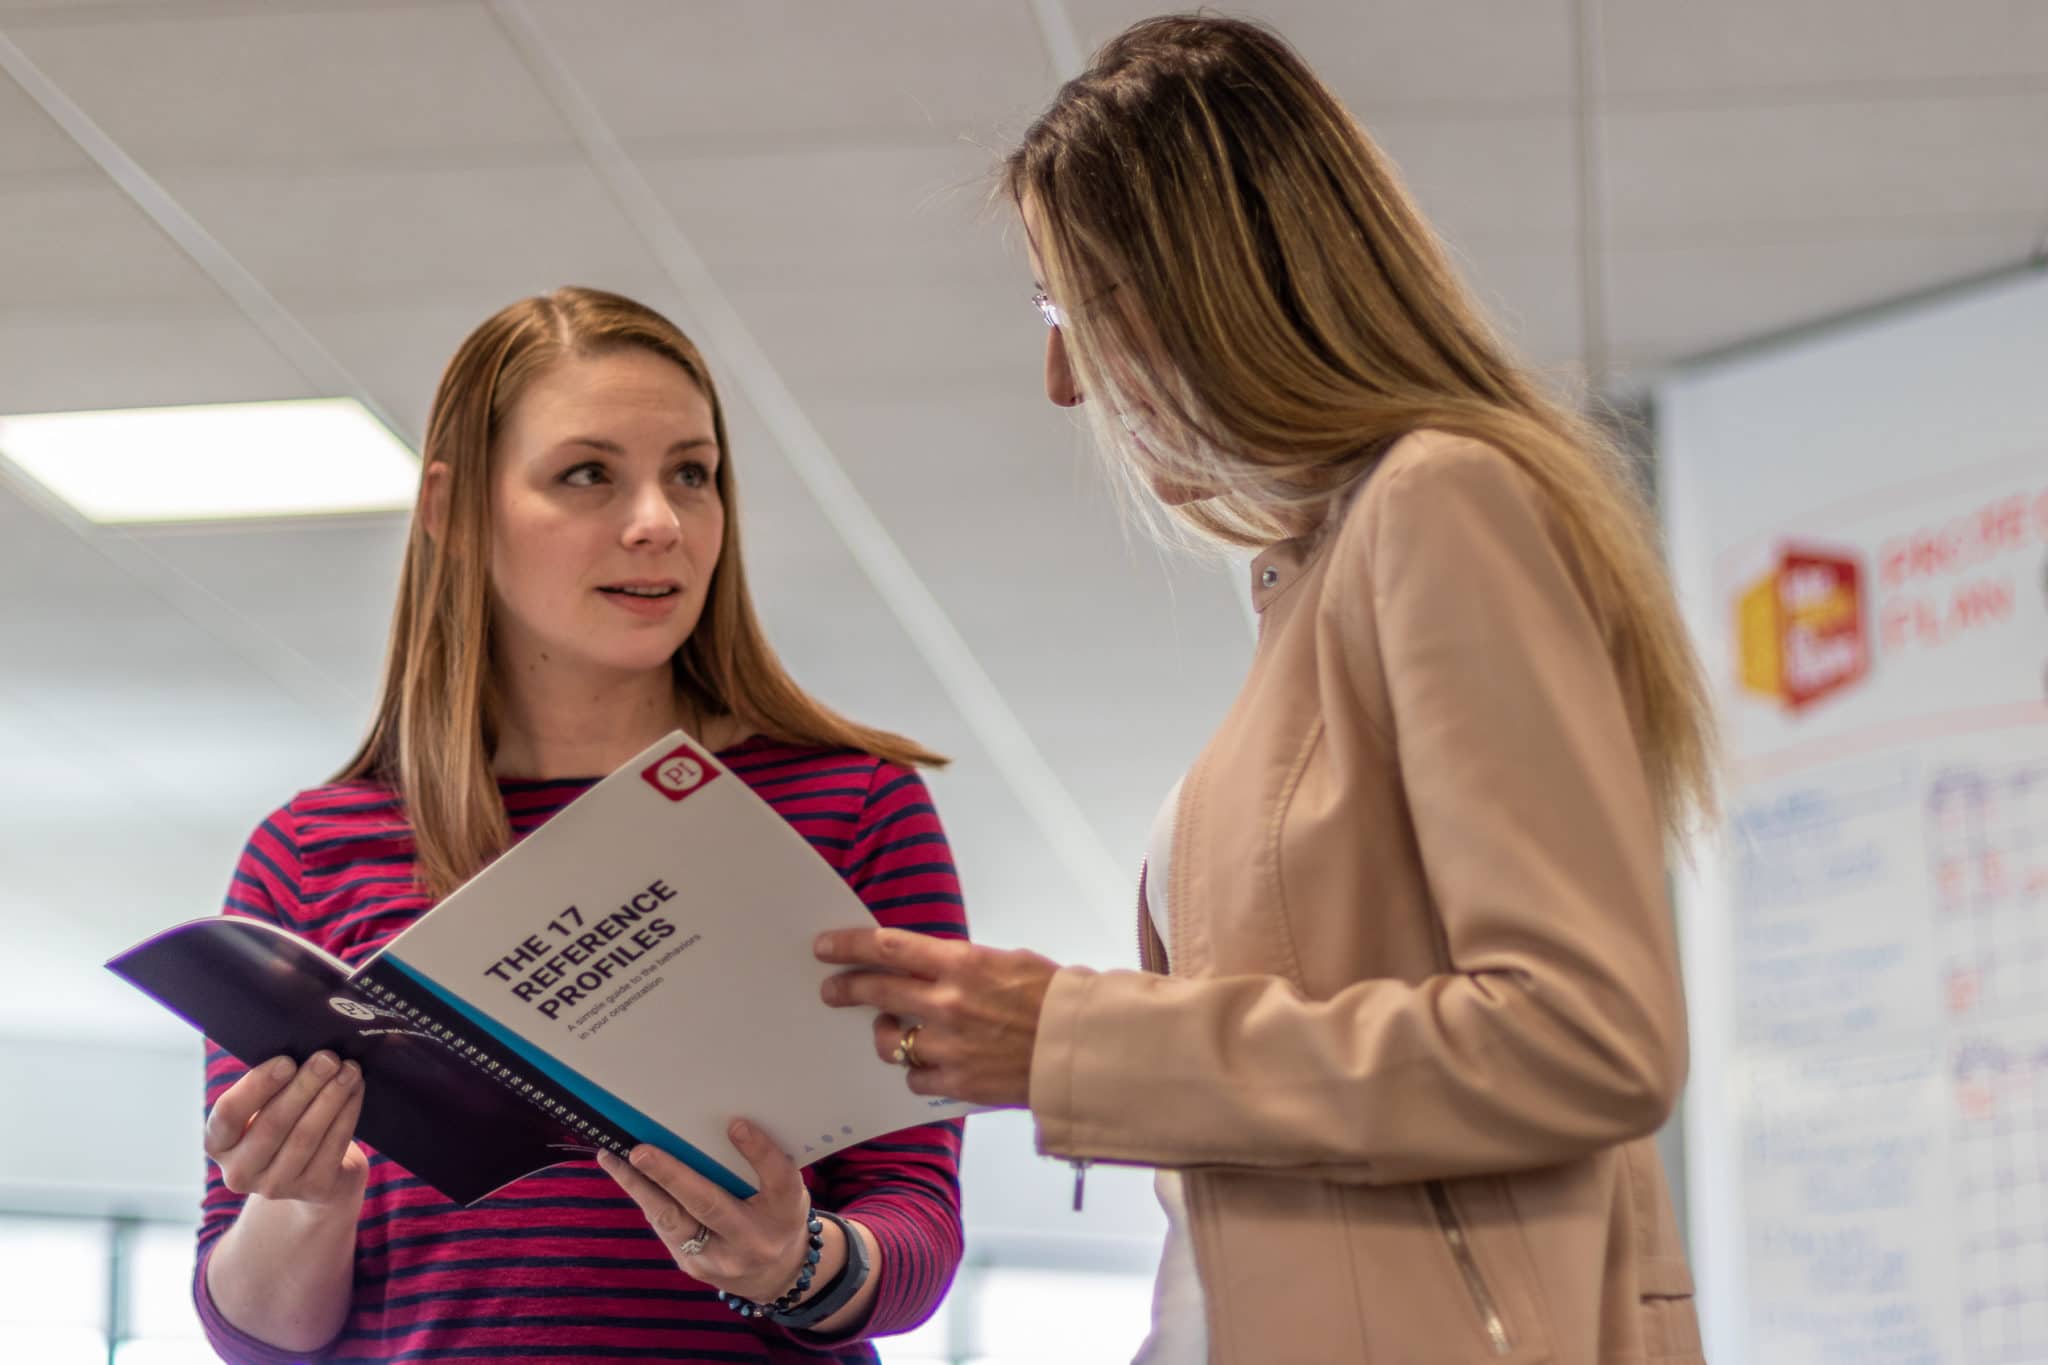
(1858, 531)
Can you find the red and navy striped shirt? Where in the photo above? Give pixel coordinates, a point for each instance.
(561, 1266)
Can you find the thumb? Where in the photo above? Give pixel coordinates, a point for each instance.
(775, 1171)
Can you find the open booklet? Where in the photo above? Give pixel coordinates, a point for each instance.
(638, 969)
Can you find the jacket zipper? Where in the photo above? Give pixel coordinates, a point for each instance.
(1081, 1165)
(1080, 1178)
(1468, 1267)
(1144, 914)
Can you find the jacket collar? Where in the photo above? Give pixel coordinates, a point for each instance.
(1279, 566)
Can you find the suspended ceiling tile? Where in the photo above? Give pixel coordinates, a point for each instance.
(1710, 174)
(295, 88)
(1395, 53)
(822, 215)
(906, 338)
(1533, 298)
(59, 364)
(343, 240)
(1672, 302)
(723, 78)
(1669, 50)
(30, 142)
(1484, 179)
(77, 246)
(321, 587)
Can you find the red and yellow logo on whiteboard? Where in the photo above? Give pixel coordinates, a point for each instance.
(1800, 628)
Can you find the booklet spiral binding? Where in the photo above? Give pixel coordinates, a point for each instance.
(597, 1130)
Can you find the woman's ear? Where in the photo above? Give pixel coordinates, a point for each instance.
(434, 499)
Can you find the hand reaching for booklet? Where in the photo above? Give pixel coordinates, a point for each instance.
(749, 1247)
(976, 1009)
(286, 1131)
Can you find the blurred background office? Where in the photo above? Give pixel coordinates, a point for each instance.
(1795, 246)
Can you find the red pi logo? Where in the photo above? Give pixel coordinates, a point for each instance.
(678, 773)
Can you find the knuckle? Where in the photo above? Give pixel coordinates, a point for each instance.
(266, 1124)
(224, 1122)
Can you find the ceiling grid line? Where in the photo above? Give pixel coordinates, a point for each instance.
(995, 725)
(1062, 46)
(1592, 234)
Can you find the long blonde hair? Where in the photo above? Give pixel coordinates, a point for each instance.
(434, 730)
(1238, 264)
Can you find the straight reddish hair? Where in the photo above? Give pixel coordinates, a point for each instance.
(435, 725)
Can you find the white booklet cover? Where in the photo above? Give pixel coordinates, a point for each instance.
(638, 969)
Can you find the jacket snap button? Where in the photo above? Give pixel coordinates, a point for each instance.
(1269, 577)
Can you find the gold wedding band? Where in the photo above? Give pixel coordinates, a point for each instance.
(695, 1246)
(906, 1048)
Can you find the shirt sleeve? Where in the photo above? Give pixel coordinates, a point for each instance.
(265, 886)
(903, 1187)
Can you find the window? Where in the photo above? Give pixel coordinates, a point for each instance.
(54, 1279)
(70, 1285)
(162, 1327)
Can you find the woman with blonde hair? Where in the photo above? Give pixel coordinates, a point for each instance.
(572, 591)
(1412, 1007)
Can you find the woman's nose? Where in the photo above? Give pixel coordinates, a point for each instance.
(651, 519)
(1060, 385)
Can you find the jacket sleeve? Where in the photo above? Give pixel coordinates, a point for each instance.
(1558, 1027)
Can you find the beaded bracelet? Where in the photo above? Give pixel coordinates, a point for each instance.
(747, 1308)
(836, 1294)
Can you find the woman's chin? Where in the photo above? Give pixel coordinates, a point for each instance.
(641, 656)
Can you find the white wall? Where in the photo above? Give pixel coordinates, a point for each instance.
(100, 1128)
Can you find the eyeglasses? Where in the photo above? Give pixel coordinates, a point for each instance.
(1056, 316)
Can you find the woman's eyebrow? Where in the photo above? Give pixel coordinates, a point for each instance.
(614, 448)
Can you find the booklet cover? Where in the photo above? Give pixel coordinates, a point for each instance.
(638, 969)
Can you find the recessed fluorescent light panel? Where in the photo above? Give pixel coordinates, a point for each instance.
(216, 462)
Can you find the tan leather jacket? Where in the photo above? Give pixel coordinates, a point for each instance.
(1425, 1007)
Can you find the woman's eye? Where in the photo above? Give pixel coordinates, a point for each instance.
(693, 474)
(584, 475)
